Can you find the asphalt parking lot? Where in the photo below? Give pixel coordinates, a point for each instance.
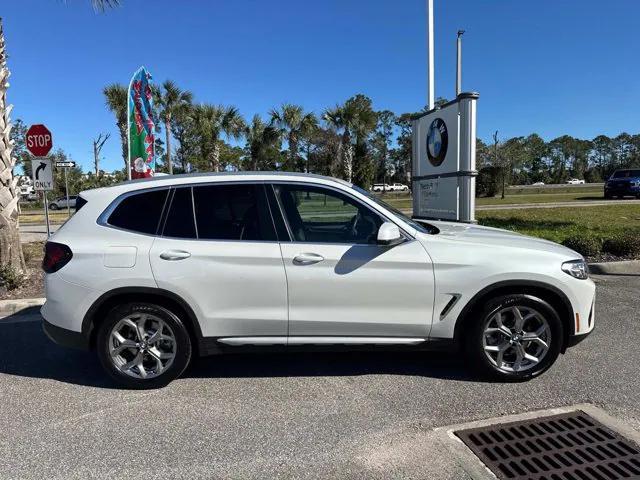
(288, 415)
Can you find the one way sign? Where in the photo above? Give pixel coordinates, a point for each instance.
(42, 174)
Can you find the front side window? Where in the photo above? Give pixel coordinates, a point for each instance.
(232, 212)
(320, 215)
(139, 212)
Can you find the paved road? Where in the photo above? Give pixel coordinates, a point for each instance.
(289, 415)
(35, 233)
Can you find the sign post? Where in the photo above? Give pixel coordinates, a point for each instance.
(42, 169)
(39, 143)
(65, 166)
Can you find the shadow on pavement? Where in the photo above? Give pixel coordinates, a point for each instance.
(26, 351)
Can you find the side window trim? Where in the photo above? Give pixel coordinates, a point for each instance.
(279, 211)
(356, 201)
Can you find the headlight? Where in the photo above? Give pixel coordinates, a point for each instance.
(576, 268)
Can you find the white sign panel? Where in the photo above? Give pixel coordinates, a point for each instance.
(42, 174)
(444, 161)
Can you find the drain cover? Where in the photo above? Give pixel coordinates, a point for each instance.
(559, 447)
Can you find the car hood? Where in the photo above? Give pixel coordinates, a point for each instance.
(476, 234)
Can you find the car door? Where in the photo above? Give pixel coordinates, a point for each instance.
(340, 281)
(218, 251)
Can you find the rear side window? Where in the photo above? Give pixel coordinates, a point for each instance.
(180, 223)
(80, 202)
(232, 212)
(139, 212)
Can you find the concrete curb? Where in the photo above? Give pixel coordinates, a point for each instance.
(9, 307)
(626, 267)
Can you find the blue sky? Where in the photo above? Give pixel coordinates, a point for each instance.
(548, 66)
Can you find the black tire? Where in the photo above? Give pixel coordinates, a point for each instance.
(474, 331)
(607, 196)
(53, 206)
(182, 347)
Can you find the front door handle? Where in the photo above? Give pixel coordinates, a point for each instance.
(174, 255)
(307, 259)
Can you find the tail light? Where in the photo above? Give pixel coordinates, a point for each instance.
(56, 256)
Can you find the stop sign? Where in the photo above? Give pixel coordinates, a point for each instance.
(39, 141)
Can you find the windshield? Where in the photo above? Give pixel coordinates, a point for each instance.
(403, 217)
(626, 173)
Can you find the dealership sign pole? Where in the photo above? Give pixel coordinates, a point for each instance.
(444, 149)
(39, 143)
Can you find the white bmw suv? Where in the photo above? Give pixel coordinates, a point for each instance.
(151, 273)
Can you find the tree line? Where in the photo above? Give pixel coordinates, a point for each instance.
(351, 140)
(531, 159)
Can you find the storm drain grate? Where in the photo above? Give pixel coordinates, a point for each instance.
(569, 446)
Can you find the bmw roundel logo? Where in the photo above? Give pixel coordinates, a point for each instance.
(437, 142)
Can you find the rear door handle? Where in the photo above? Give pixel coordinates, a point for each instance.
(174, 255)
(307, 259)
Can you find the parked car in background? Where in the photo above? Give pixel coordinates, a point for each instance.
(623, 183)
(381, 187)
(385, 187)
(399, 187)
(538, 184)
(153, 272)
(61, 202)
(575, 181)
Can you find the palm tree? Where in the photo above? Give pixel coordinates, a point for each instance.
(169, 99)
(116, 100)
(102, 5)
(356, 119)
(341, 119)
(293, 123)
(10, 247)
(210, 123)
(262, 140)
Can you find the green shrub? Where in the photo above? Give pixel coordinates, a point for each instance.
(10, 278)
(626, 245)
(585, 244)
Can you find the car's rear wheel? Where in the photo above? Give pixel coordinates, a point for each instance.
(142, 345)
(517, 338)
(53, 206)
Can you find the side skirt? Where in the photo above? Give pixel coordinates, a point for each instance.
(223, 345)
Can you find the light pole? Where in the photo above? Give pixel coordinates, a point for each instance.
(459, 63)
(431, 103)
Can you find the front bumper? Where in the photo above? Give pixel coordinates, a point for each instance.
(624, 189)
(64, 337)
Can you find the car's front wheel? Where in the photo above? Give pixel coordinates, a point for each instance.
(517, 337)
(53, 206)
(142, 345)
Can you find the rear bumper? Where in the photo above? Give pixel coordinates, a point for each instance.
(64, 337)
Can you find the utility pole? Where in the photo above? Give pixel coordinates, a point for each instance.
(459, 62)
(431, 103)
(497, 161)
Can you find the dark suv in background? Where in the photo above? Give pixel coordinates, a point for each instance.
(623, 183)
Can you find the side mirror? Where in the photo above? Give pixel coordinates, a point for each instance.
(389, 234)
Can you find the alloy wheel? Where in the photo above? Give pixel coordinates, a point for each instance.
(516, 338)
(142, 345)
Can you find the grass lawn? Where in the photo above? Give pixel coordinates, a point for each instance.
(404, 201)
(559, 223)
(27, 218)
